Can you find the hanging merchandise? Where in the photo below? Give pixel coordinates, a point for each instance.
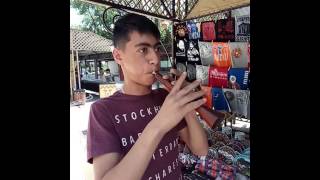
(181, 31)
(238, 78)
(208, 96)
(193, 52)
(181, 48)
(225, 30)
(215, 169)
(249, 56)
(221, 54)
(218, 77)
(206, 53)
(181, 58)
(193, 30)
(181, 66)
(242, 27)
(239, 54)
(181, 42)
(208, 31)
(238, 100)
(219, 101)
(202, 73)
(198, 24)
(191, 72)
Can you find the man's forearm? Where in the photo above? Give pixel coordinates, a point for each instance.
(135, 162)
(198, 140)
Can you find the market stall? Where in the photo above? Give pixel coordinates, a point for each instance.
(211, 42)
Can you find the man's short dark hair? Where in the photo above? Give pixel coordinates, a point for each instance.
(129, 23)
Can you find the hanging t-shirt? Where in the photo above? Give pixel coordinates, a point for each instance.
(193, 30)
(208, 95)
(225, 30)
(240, 76)
(239, 54)
(181, 41)
(242, 27)
(206, 55)
(116, 122)
(193, 53)
(181, 66)
(219, 101)
(181, 30)
(249, 56)
(248, 108)
(238, 100)
(191, 72)
(202, 73)
(208, 31)
(230, 96)
(198, 24)
(221, 54)
(181, 48)
(218, 77)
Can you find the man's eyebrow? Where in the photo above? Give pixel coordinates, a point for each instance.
(147, 44)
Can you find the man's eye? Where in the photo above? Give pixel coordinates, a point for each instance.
(157, 49)
(143, 50)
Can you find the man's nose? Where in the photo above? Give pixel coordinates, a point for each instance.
(154, 57)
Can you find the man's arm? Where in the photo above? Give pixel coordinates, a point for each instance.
(194, 136)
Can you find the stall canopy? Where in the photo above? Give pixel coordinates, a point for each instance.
(175, 10)
(206, 7)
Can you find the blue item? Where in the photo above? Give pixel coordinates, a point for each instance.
(242, 76)
(219, 100)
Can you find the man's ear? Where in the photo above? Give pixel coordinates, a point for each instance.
(117, 56)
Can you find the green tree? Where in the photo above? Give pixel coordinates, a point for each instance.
(92, 21)
(92, 18)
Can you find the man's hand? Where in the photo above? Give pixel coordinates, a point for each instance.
(177, 74)
(178, 103)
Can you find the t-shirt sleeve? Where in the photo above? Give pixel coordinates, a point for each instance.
(101, 137)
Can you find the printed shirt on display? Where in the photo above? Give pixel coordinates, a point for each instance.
(218, 77)
(221, 54)
(208, 31)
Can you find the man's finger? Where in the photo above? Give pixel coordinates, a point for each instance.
(175, 72)
(179, 82)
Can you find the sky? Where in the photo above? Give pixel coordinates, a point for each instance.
(75, 18)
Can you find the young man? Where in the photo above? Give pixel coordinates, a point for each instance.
(134, 133)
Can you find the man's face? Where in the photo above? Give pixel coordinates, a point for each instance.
(140, 57)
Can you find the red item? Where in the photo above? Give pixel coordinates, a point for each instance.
(218, 77)
(208, 31)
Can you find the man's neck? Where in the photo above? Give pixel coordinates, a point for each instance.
(135, 89)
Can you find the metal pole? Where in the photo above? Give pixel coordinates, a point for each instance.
(78, 64)
(71, 89)
(73, 72)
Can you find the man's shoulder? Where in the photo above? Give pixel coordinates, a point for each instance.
(107, 101)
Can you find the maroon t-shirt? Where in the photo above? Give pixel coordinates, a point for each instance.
(116, 122)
